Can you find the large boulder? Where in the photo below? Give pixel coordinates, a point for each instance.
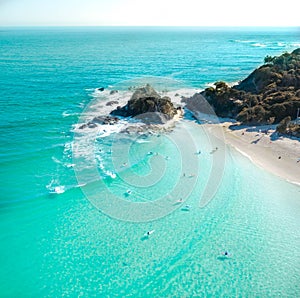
(144, 101)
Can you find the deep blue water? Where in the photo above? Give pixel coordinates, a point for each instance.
(60, 244)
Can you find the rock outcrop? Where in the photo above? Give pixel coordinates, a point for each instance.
(287, 127)
(268, 95)
(148, 106)
(102, 120)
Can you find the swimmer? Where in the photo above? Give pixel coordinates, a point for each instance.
(226, 253)
(186, 207)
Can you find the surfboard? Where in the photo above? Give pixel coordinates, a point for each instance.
(149, 233)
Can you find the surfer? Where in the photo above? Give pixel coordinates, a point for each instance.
(186, 208)
(149, 233)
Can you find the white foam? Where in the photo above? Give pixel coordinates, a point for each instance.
(69, 165)
(85, 139)
(56, 160)
(257, 44)
(281, 44)
(142, 141)
(59, 189)
(111, 174)
(244, 154)
(54, 187)
(244, 41)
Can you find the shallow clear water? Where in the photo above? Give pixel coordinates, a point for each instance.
(55, 244)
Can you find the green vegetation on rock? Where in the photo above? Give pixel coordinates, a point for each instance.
(268, 95)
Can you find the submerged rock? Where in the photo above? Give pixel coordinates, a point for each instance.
(113, 102)
(113, 92)
(102, 120)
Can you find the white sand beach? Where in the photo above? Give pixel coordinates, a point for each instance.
(276, 154)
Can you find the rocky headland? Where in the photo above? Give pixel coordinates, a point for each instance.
(269, 95)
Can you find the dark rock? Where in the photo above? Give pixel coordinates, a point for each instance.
(83, 126)
(197, 104)
(104, 120)
(153, 118)
(283, 125)
(268, 95)
(226, 101)
(147, 100)
(99, 119)
(100, 89)
(113, 102)
(144, 92)
(91, 125)
(113, 92)
(287, 127)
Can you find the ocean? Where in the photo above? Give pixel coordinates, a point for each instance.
(75, 204)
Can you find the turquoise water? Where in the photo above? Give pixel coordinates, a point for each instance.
(55, 244)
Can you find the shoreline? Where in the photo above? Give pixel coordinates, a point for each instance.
(276, 154)
(279, 156)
